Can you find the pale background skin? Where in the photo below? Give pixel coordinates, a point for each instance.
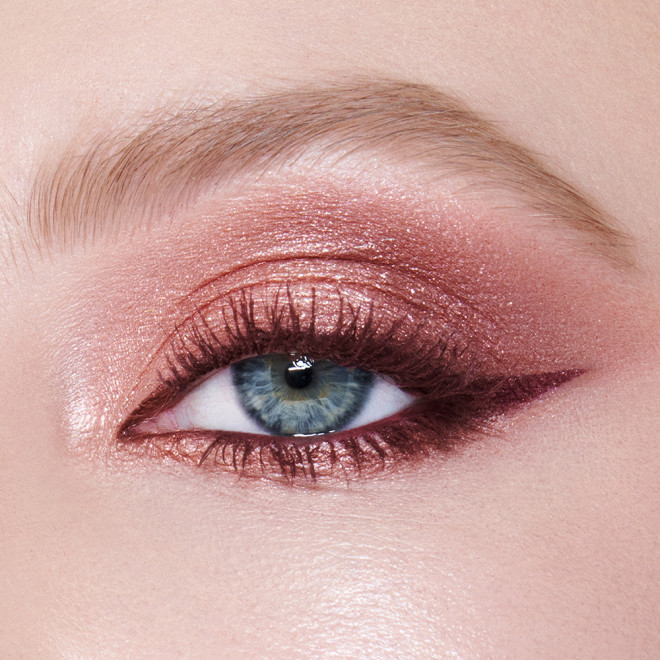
(547, 552)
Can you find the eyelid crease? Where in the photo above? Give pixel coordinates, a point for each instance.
(177, 153)
(325, 276)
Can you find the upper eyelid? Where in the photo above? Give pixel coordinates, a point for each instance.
(240, 281)
(196, 333)
(183, 150)
(237, 279)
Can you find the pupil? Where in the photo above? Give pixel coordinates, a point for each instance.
(299, 373)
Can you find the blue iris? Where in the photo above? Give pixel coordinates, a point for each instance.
(286, 395)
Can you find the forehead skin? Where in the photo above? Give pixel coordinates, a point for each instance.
(577, 83)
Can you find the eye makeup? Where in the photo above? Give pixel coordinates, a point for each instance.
(431, 363)
(472, 315)
(426, 324)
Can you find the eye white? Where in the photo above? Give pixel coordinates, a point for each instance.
(214, 405)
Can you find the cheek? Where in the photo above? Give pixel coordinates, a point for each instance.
(509, 551)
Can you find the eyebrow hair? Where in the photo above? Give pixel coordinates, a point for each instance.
(172, 154)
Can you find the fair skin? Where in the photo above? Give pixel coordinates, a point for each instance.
(539, 540)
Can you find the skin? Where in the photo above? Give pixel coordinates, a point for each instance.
(545, 545)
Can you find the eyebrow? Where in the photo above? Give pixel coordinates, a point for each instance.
(171, 155)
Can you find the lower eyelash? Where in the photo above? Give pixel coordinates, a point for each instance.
(347, 454)
(354, 453)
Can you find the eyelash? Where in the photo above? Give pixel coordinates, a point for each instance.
(453, 406)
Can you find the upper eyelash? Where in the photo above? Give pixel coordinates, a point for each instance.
(359, 338)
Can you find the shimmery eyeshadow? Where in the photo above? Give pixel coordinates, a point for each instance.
(453, 402)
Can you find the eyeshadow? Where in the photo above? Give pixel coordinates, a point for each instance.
(440, 258)
(455, 399)
(515, 301)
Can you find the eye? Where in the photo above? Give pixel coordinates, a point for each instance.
(283, 395)
(342, 392)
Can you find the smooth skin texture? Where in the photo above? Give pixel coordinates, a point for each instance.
(546, 547)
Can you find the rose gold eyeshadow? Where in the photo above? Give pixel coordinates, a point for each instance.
(445, 261)
(333, 319)
(437, 297)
